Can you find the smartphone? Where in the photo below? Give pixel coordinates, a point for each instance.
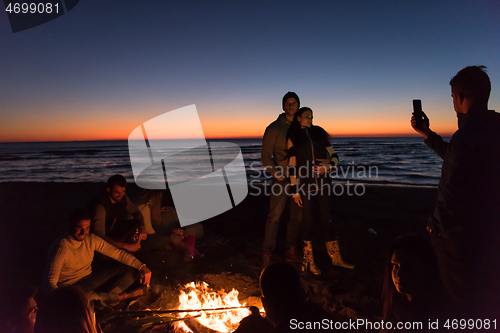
(417, 112)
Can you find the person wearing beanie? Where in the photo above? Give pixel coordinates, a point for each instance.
(288, 95)
(274, 158)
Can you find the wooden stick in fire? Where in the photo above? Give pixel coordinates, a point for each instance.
(139, 312)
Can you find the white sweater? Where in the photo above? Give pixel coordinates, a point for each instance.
(70, 260)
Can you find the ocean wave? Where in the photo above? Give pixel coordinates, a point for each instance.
(398, 160)
(11, 158)
(75, 152)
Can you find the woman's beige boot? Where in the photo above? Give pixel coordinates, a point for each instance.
(308, 263)
(334, 252)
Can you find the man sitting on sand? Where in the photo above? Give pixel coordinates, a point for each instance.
(112, 210)
(70, 258)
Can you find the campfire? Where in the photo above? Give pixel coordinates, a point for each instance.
(195, 307)
(201, 296)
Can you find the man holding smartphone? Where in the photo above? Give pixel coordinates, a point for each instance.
(465, 225)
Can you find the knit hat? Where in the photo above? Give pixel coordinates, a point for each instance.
(288, 95)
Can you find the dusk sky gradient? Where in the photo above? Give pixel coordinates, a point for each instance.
(107, 66)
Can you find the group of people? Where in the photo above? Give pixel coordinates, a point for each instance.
(452, 271)
(463, 267)
(121, 230)
(80, 263)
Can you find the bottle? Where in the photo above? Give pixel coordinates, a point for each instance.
(135, 239)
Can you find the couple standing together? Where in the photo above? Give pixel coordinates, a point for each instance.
(299, 156)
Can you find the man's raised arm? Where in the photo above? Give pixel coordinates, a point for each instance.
(433, 140)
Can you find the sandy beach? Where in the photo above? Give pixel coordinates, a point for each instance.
(32, 216)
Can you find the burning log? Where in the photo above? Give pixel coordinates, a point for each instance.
(195, 326)
(200, 296)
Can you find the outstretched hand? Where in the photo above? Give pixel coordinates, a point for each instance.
(133, 247)
(145, 275)
(424, 128)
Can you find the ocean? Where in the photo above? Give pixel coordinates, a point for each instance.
(389, 161)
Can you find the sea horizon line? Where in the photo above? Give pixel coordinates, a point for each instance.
(236, 138)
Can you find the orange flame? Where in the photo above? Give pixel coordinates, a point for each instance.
(200, 296)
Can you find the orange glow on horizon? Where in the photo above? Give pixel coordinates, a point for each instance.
(96, 136)
(255, 129)
(97, 126)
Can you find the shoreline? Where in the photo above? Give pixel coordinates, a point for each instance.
(249, 184)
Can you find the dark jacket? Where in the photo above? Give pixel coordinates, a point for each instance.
(468, 204)
(106, 215)
(308, 145)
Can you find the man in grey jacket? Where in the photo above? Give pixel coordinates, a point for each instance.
(275, 160)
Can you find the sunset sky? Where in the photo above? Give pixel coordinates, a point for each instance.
(107, 66)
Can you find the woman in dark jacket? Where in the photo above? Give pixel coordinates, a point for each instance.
(311, 157)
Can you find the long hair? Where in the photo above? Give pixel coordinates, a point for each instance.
(153, 198)
(296, 134)
(66, 309)
(430, 288)
(14, 299)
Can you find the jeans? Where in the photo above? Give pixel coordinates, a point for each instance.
(322, 200)
(106, 282)
(153, 242)
(281, 192)
(195, 230)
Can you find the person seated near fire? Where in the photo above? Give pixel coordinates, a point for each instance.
(66, 309)
(161, 221)
(18, 308)
(286, 305)
(412, 290)
(149, 204)
(111, 219)
(70, 263)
